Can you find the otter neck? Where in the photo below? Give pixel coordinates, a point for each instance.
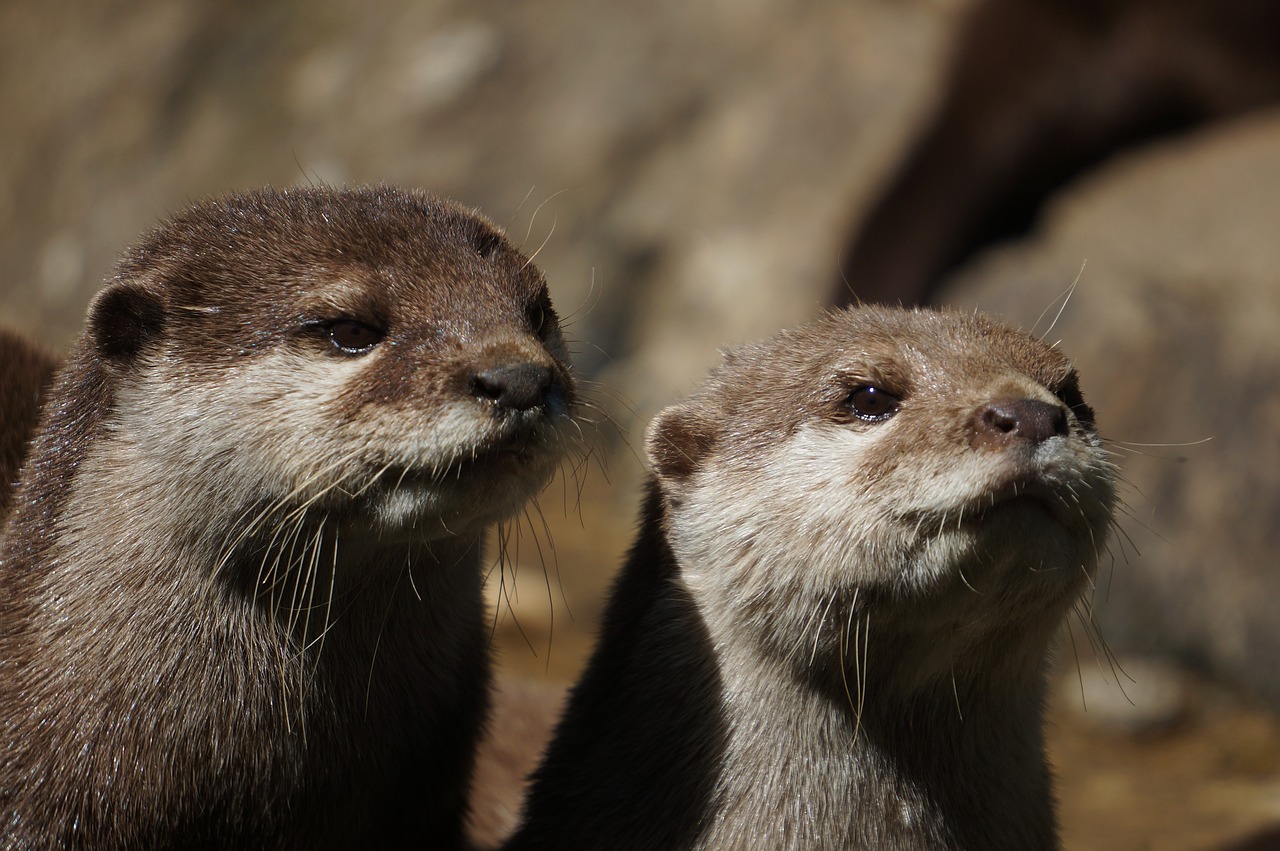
(738, 747)
(299, 679)
(944, 767)
(865, 720)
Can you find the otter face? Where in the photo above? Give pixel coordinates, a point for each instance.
(939, 464)
(373, 356)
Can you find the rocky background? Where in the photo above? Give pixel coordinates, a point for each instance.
(688, 175)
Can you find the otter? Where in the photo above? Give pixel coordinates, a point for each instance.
(831, 632)
(240, 587)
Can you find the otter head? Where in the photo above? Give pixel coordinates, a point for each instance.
(938, 470)
(377, 358)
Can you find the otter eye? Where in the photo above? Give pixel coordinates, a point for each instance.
(487, 244)
(871, 404)
(541, 316)
(352, 337)
(1070, 395)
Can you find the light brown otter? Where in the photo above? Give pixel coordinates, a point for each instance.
(240, 592)
(25, 372)
(832, 631)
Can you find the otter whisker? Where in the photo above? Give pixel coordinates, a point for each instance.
(519, 207)
(844, 677)
(967, 583)
(318, 641)
(1065, 298)
(511, 594)
(551, 546)
(1075, 652)
(376, 477)
(277, 544)
(861, 661)
(955, 692)
(305, 586)
(802, 633)
(294, 575)
(534, 217)
(275, 505)
(551, 232)
(504, 590)
(818, 632)
(586, 306)
(546, 579)
(1095, 631)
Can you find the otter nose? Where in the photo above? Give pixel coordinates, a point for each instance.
(1029, 420)
(515, 386)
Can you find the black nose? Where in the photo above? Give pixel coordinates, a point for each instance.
(516, 386)
(1029, 420)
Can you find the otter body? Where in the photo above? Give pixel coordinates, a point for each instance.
(858, 542)
(240, 590)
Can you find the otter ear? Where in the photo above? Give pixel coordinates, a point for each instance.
(123, 319)
(678, 440)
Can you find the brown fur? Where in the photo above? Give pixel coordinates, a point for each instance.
(831, 631)
(240, 592)
(25, 373)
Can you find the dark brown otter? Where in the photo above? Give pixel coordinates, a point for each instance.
(832, 630)
(240, 590)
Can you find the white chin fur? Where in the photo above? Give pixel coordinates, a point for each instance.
(430, 512)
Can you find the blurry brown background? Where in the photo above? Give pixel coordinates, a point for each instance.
(690, 176)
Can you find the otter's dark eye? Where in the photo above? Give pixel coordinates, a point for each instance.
(487, 244)
(1070, 395)
(871, 404)
(352, 337)
(541, 315)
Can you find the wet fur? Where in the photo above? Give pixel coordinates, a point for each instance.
(240, 595)
(831, 633)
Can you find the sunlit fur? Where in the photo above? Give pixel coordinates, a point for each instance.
(240, 596)
(857, 612)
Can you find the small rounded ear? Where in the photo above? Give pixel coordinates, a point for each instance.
(678, 440)
(123, 319)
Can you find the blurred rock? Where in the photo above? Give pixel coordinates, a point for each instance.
(1132, 695)
(1037, 93)
(1173, 326)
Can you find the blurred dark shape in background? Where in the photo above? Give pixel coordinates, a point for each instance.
(1037, 92)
